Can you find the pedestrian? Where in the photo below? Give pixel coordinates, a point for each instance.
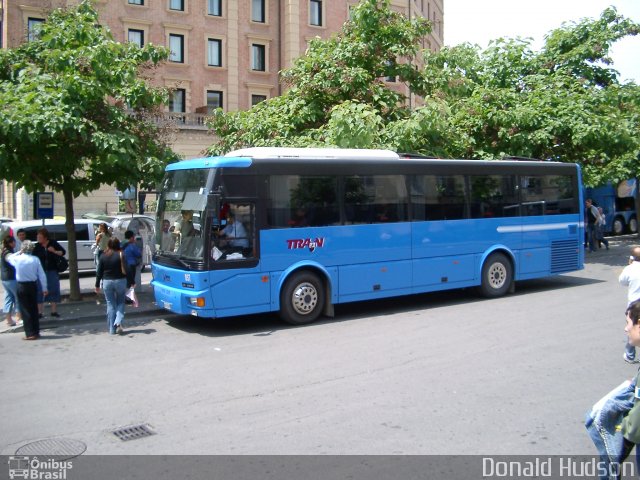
(111, 273)
(102, 240)
(9, 282)
(29, 273)
(592, 217)
(631, 422)
(630, 277)
(47, 250)
(132, 258)
(602, 224)
(21, 236)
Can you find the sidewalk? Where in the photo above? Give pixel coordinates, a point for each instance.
(92, 308)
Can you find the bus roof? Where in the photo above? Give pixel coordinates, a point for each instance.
(321, 159)
(315, 153)
(209, 162)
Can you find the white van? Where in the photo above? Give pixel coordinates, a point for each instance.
(85, 236)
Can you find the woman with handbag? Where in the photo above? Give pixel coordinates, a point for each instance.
(111, 273)
(49, 252)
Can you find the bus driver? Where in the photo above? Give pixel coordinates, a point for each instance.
(234, 233)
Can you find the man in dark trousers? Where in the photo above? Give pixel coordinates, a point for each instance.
(28, 272)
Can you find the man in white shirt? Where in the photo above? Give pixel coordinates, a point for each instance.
(234, 233)
(28, 272)
(630, 277)
(21, 236)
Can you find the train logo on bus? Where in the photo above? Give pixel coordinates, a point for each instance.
(309, 243)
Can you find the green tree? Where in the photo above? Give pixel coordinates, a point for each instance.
(336, 94)
(65, 122)
(564, 102)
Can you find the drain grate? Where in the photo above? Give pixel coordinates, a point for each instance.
(133, 432)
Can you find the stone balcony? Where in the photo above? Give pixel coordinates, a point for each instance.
(182, 121)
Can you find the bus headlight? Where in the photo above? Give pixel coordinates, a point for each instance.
(196, 301)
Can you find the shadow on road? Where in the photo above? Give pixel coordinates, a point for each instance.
(618, 253)
(134, 326)
(262, 325)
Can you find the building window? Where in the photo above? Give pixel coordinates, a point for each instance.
(258, 58)
(214, 7)
(176, 45)
(389, 64)
(256, 99)
(176, 5)
(1, 191)
(315, 12)
(214, 52)
(136, 2)
(177, 100)
(214, 100)
(33, 28)
(136, 36)
(258, 11)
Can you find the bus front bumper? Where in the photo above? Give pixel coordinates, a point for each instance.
(182, 301)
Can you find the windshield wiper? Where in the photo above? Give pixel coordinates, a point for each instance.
(176, 257)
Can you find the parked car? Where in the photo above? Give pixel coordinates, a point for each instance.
(143, 226)
(99, 216)
(85, 236)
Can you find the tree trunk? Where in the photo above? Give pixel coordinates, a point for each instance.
(74, 281)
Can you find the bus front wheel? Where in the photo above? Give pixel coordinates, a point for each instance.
(302, 298)
(497, 275)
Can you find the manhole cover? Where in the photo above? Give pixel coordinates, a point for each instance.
(134, 432)
(62, 447)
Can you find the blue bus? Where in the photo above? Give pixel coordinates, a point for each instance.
(618, 205)
(297, 231)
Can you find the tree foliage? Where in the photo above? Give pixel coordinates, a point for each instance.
(564, 102)
(348, 67)
(64, 121)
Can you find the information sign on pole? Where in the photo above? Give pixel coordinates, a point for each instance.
(43, 205)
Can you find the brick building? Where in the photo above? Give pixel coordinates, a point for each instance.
(224, 53)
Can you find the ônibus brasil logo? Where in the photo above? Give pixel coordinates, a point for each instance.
(305, 243)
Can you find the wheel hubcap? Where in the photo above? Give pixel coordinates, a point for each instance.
(497, 275)
(304, 298)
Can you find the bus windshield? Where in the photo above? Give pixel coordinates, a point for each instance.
(181, 214)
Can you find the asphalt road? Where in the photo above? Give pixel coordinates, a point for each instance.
(440, 373)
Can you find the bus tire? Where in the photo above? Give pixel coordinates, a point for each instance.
(618, 226)
(302, 298)
(633, 225)
(497, 275)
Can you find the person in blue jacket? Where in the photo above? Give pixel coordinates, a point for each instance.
(132, 257)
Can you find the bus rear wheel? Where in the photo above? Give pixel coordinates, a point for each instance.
(497, 275)
(302, 298)
(618, 226)
(633, 225)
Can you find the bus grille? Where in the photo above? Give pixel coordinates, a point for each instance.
(564, 256)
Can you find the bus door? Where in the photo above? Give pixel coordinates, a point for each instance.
(237, 282)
